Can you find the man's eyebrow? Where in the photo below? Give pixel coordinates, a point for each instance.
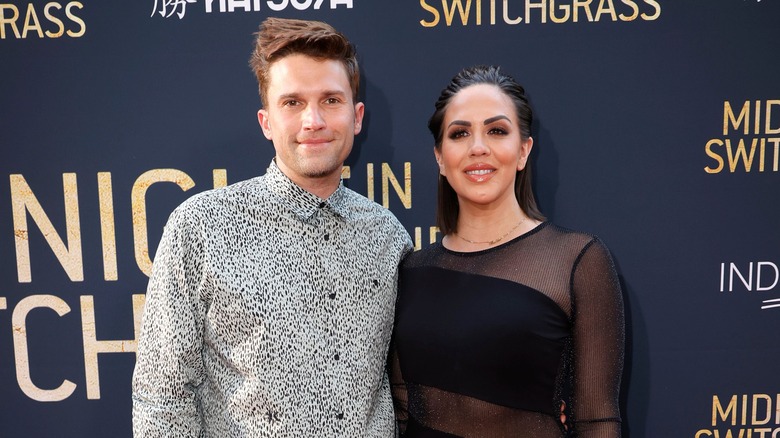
(297, 95)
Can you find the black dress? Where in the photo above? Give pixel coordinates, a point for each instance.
(493, 343)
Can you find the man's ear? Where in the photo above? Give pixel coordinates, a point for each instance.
(360, 110)
(265, 123)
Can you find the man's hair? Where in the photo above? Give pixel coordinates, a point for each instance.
(280, 37)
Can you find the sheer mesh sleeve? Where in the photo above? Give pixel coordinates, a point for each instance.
(598, 336)
(398, 388)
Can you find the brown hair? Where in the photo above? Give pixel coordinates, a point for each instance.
(280, 37)
(447, 208)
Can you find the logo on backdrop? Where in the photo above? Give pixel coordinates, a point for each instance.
(178, 8)
(492, 12)
(743, 416)
(751, 138)
(762, 276)
(52, 20)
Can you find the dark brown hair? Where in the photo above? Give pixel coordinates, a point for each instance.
(280, 37)
(447, 207)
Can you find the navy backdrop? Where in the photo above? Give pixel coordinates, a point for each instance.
(657, 128)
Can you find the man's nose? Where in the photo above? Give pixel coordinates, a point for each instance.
(312, 118)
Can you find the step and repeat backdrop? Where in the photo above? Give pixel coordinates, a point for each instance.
(657, 128)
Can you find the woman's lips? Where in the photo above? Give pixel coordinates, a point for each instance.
(479, 172)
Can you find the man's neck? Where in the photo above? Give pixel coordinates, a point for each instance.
(322, 187)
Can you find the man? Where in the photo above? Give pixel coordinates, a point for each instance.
(270, 306)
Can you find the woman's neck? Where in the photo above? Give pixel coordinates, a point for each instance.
(482, 227)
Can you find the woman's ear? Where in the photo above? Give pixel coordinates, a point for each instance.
(437, 154)
(525, 151)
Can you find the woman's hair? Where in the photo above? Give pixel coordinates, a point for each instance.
(447, 207)
(280, 37)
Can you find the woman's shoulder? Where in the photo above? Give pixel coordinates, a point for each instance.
(569, 236)
(571, 244)
(422, 257)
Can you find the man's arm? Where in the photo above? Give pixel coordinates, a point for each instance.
(169, 365)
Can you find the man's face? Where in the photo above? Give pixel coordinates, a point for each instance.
(310, 118)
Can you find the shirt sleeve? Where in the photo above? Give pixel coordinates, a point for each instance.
(168, 363)
(599, 343)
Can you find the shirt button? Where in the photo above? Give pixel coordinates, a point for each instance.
(327, 237)
(332, 295)
(376, 282)
(322, 205)
(340, 415)
(336, 356)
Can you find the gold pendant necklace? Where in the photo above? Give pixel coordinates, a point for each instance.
(490, 242)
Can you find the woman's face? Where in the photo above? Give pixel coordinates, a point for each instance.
(481, 148)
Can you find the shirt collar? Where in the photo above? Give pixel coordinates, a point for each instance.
(301, 202)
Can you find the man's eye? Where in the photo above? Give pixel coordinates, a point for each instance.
(332, 101)
(291, 103)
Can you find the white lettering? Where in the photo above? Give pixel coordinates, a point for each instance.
(733, 270)
(301, 5)
(758, 275)
(277, 6)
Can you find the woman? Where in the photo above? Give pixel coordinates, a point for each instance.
(510, 326)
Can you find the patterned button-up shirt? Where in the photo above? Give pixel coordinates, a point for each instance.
(268, 314)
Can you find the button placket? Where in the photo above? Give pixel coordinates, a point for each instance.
(321, 206)
(327, 251)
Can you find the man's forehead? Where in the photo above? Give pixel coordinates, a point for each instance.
(296, 79)
(307, 68)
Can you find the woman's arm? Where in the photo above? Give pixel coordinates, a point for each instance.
(599, 343)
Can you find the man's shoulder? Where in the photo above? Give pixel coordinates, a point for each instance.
(364, 207)
(356, 199)
(207, 200)
(365, 210)
(360, 200)
(210, 205)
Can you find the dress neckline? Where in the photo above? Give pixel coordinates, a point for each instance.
(523, 236)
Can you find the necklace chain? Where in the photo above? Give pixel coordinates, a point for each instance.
(494, 241)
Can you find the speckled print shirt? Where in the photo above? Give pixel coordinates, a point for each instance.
(269, 314)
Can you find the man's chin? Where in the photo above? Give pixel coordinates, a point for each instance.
(322, 171)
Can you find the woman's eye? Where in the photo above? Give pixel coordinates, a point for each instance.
(459, 133)
(497, 131)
